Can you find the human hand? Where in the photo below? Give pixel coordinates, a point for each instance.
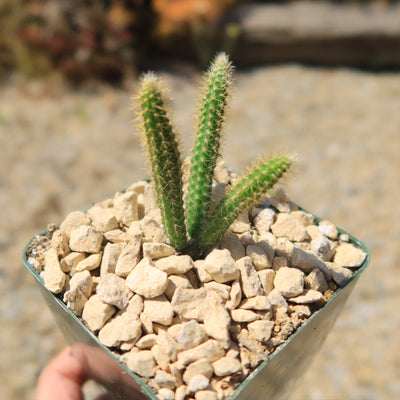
(64, 376)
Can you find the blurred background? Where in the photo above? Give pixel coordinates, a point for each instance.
(321, 78)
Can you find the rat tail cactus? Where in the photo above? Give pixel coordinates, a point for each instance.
(165, 159)
(215, 92)
(203, 228)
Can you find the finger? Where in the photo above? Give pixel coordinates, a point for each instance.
(62, 378)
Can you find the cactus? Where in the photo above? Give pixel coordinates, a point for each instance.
(248, 191)
(165, 160)
(206, 146)
(204, 228)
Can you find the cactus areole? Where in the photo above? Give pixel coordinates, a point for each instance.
(194, 227)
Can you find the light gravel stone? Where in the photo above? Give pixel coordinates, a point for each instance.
(78, 291)
(60, 242)
(221, 266)
(86, 239)
(202, 274)
(303, 217)
(241, 316)
(74, 220)
(82, 281)
(235, 296)
(199, 367)
(75, 300)
(255, 348)
(146, 342)
(180, 392)
(206, 395)
(117, 236)
(135, 305)
(258, 257)
(126, 207)
(287, 226)
(165, 380)
(231, 242)
(217, 319)
(221, 173)
(279, 262)
(159, 310)
(309, 296)
(109, 260)
(147, 323)
(175, 281)
(166, 350)
(103, 219)
(250, 282)
(316, 280)
(221, 289)
(280, 200)
(307, 261)
(166, 394)
(128, 258)
(241, 224)
(289, 282)
(152, 230)
(175, 264)
(135, 230)
(198, 382)
(264, 220)
(267, 277)
(70, 261)
(323, 247)
(284, 248)
(347, 255)
(113, 290)
(313, 232)
(122, 328)
(328, 229)
(268, 242)
(260, 303)
(96, 313)
(147, 280)
(175, 327)
(53, 276)
(190, 303)
(277, 300)
(340, 275)
(141, 362)
(261, 330)
(191, 334)
(89, 263)
(226, 366)
(302, 311)
(138, 187)
(157, 250)
(211, 349)
(248, 238)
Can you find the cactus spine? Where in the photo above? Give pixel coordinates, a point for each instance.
(165, 160)
(246, 193)
(207, 143)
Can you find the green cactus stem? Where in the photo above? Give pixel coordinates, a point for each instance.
(206, 147)
(246, 193)
(165, 159)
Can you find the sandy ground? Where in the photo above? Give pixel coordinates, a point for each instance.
(62, 150)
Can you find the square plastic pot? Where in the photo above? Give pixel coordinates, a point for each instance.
(273, 379)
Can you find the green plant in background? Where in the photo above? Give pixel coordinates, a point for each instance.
(204, 227)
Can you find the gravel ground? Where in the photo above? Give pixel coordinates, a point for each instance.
(61, 150)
